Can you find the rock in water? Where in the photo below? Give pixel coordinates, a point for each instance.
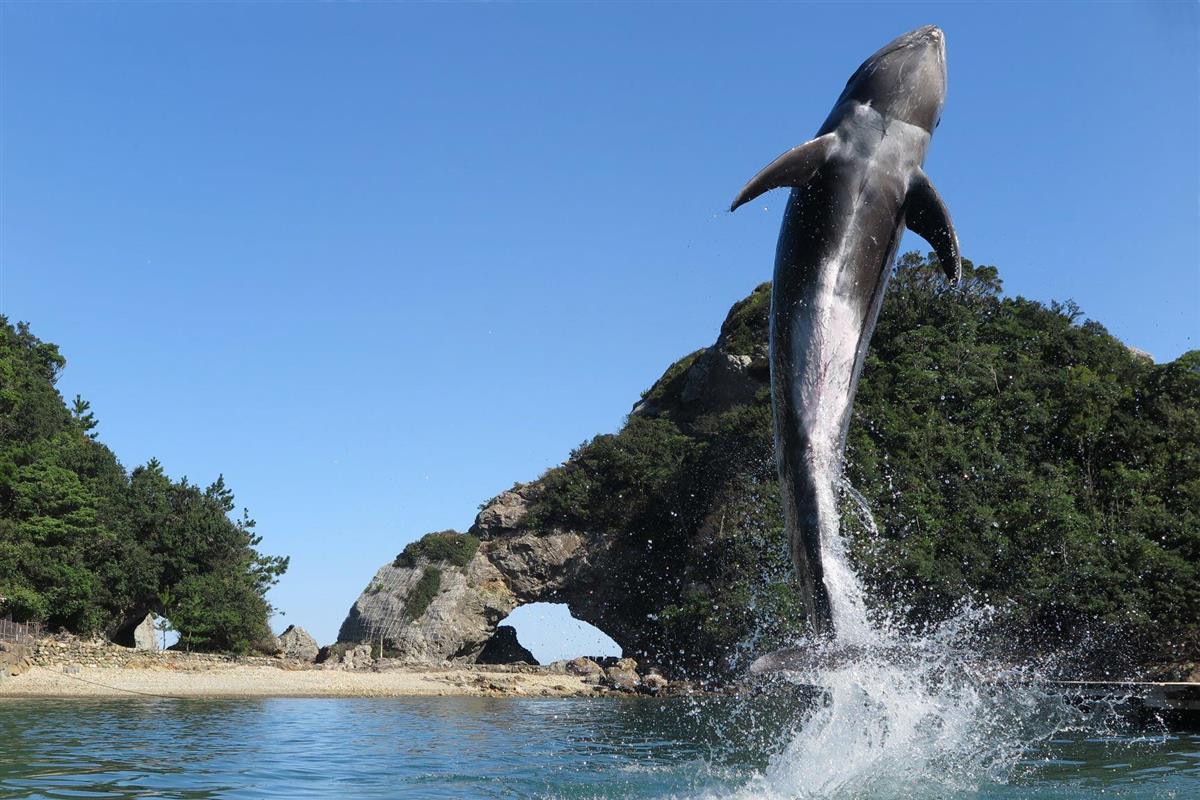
(298, 644)
(503, 648)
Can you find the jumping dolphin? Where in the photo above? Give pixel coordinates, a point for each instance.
(854, 189)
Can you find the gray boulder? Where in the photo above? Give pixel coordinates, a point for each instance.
(618, 677)
(584, 668)
(140, 634)
(720, 380)
(145, 635)
(14, 659)
(503, 515)
(297, 643)
(358, 657)
(503, 648)
(654, 683)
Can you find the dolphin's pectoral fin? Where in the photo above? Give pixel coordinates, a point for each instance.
(794, 168)
(925, 215)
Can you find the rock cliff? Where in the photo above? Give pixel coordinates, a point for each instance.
(429, 607)
(442, 598)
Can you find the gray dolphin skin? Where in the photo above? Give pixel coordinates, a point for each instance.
(854, 189)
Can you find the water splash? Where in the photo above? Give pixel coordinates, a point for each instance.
(904, 715)
(908, 719)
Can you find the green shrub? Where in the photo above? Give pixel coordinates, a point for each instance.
(742, 331)
(671, 383)
(422, 594)
(449, 547)
(615, 478)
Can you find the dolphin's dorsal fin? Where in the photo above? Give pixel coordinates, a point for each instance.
(925, 215)
(794, 168)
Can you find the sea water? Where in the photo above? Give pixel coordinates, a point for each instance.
(456, 747)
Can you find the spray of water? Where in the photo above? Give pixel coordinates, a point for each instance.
(911, 719)
(903, 715)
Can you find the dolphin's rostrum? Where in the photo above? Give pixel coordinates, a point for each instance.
(854, 189)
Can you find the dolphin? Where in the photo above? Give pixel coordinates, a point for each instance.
(855, 187)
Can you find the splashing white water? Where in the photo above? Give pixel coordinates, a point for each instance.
(911, 719)
(903, 716)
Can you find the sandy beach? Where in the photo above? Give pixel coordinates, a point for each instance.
(263, 681)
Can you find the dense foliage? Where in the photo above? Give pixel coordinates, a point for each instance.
(88, 547)
(1020, 457)
(446, 546)
(1010, 455)
(422, 593)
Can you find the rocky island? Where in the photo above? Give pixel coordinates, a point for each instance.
(1009, 455)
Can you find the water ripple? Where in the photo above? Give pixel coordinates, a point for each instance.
(479, 748)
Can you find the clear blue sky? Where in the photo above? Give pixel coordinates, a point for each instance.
(376, 262)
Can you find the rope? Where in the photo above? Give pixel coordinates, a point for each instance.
(123, 689)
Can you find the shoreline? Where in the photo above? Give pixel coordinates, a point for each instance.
(244, 681)
(65, 666)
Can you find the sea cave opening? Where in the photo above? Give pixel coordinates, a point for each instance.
(550, 633)
(147, 631)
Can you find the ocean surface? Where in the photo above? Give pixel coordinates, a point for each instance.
(547, 748)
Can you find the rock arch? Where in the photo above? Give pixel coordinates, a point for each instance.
(680, 553)
(443, 597)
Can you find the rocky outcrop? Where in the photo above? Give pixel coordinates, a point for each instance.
(583, 667)
(296, 643)
(443, 597)
(348, 657)
(14, 659)
(623, 675)
(731, 372)
(655, 683)
(145, 635)
(503, 514)
(1137, 352)
(503, 648)
(668, 535)
(140, 634)
(428, 610)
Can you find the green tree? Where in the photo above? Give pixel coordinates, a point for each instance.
(88, 547)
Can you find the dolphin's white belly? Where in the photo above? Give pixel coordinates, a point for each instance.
(828, 339)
